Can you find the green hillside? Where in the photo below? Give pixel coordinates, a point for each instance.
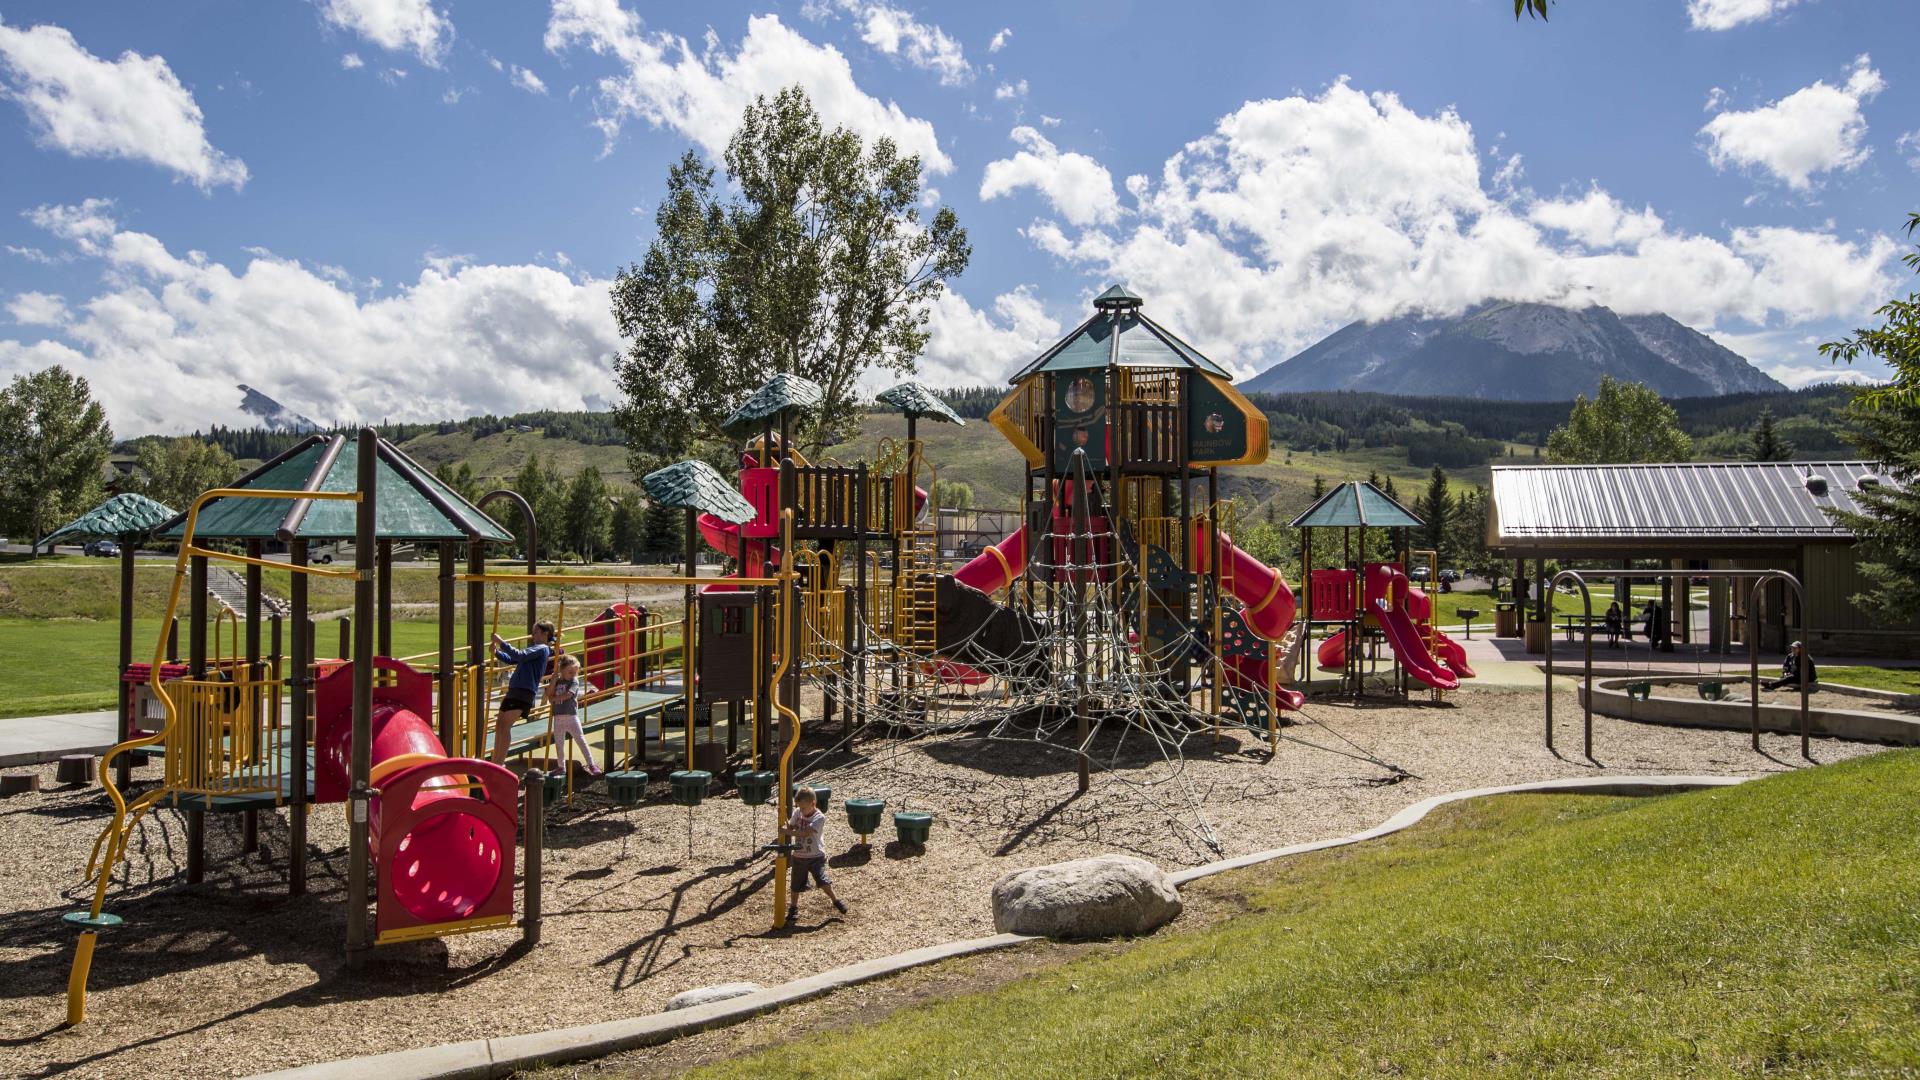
(495, 458)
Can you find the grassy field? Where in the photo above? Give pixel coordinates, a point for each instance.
(1758, 931)
(1899, 680)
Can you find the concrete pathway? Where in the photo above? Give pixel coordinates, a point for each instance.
(31, 740)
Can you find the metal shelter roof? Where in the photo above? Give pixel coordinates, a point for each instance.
(1718, 502)
(122, 516)
(1119, 334)
(781, 393)
(915, 399)
(410, 503)
(693, 485)
(1356, 504)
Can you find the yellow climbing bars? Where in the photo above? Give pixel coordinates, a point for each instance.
(183, 740)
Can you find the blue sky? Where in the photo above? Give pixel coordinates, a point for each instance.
(409, 209)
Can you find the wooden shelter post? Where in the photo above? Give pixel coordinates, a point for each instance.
(361, 746)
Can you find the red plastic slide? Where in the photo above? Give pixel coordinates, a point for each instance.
(442, 829)
(1269, 611)
(1386, 596)
(998, 566)
(1333, 651)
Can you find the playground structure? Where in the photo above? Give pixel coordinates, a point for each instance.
(1119, 613)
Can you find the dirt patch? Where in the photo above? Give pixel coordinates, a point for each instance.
(233, 977)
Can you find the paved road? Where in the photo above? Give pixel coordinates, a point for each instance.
(30, 740)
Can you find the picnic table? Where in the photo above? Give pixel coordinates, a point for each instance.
(1572, 622)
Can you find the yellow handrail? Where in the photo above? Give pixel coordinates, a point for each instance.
(115, 836)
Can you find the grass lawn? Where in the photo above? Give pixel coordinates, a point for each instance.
(1899, 680)
(1770, 929)
(1446, 606)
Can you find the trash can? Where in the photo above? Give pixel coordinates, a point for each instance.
(1539, 634)
(1506, 619)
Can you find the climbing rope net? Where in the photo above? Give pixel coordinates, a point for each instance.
(1088, 681)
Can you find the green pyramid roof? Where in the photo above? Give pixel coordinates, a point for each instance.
(693, 485)
(1354, 505)
(410, 503)
(1120, 335)
(916, 400)
(125, 515)
(781, 393)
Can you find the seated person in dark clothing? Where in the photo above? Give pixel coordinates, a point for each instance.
(1615, 619)
(1654, 618)
(1790, 670)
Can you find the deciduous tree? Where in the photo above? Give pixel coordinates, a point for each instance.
(54, 442)
(1625, 423)
(814, 257)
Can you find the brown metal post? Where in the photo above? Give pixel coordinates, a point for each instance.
(123, 765)
(361, 746)
(449, 566)
(535, 793)
(197, 668)
(250, 823)
(297, 705)
(383, 644)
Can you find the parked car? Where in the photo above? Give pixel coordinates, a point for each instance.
(105, 549)
(1449, 575)
(1418, 573)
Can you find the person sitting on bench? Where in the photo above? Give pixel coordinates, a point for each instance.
(1615, 619)
(1790, 670)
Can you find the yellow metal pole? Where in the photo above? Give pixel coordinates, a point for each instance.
(785, 637)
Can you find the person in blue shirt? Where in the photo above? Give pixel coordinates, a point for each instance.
(529, 671)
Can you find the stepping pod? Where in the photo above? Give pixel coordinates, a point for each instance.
(912, 827)
(690, 786)
(863, 817)
(626, 787)
(756, 788)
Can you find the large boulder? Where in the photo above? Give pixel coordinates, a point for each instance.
(1104, 896)
(707, 995)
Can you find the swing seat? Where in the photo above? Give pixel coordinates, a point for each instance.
(625, 786)
(1640, 691)
(756, 788)
(1712, 691)
(690, 786)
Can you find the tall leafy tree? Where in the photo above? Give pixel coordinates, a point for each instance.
(814, 257)
(54, 442)
(541, 494)
(176, 471)
(584, 514)
(1625, 423)
(626, 528)
(1764, 442)
(1887, 430)
(1436, 508)
(953, 494)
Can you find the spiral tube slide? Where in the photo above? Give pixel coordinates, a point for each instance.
(442, 829)
(1270, 605)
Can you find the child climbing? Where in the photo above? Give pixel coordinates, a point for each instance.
(808, 830)
(529, 671)
(564, 696)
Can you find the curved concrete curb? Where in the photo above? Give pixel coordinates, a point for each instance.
(1610, 698)
(484, 1059)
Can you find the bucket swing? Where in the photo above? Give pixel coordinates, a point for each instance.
(756, 790)
(689, 787)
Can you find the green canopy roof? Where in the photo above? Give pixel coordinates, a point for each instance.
(916, 400)
(410, 503)
(693, 485)
(781, 393)
(122, 516)
(1120, 335)
(1356, 504)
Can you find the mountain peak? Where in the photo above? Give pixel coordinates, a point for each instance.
(273, 415)
(1517, 351)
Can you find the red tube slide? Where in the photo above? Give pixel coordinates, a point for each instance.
(998, 566)
(1270, 605)
(442, 829)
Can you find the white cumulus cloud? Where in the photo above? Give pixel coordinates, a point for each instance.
(1008, 91)
(350, 61)
(1295, 216)
(1727, 14)
(167, 336)
(1815, 129)
(527, 80)
(37, 309)
(1079, 188)
(396, 25)
(897, 32)
(1000, 39)
(703, 93)
(133, 107)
